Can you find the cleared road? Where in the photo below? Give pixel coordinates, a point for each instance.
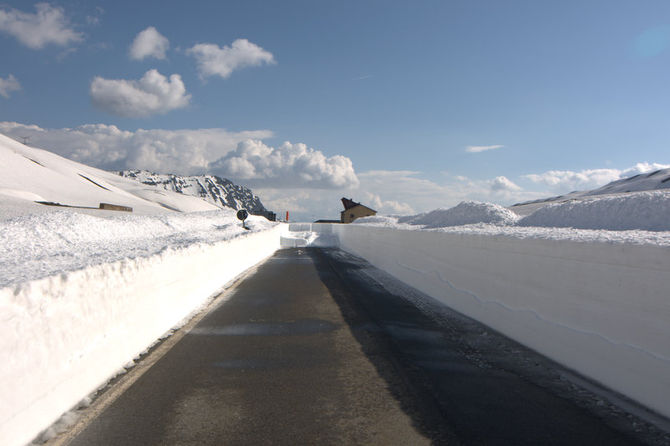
(312, 349)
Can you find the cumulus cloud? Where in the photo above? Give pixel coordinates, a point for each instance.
(290, 165)
(152, 94)
(302, 204)
(48, 25)
(501, 183)
(213, 60)
(8, 85)
(387, 207)
(477, 149)
(149, 43)
(108, 147)
(642, 168)
(561, 181)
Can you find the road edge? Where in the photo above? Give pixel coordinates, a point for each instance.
(118, 384)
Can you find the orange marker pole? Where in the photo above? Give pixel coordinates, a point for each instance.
(286, 215)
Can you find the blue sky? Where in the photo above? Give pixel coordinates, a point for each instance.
(391, 103)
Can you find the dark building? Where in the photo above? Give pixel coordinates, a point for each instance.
(353, 210)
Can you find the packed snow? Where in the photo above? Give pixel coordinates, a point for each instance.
(638, 217)
(656, 180)
(41, 245)
(465, 213)
(64, 334)
(649, 211)
(301, 235)
(598, 307)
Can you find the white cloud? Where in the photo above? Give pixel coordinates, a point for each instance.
(290, 165)
(477, 149)
(108, 147)
(152, 94)
(642, 168)
(387, 207)
(216, 61)
(299, 202)
(8, 85)
(149, 43)
(561, 181)
(501, 184)
(47, 26)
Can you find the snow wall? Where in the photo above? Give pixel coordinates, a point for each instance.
(602, 309)
(76, 330)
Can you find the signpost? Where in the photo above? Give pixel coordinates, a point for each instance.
(242, 214)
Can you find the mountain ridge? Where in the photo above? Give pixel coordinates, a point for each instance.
(213, 189)
(656, 180)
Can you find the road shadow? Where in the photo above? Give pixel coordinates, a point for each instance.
(339, 275)
(460, 381)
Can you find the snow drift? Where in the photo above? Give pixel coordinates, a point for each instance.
(51, 243)
(648, 211)
(641, 211)
(465, 213)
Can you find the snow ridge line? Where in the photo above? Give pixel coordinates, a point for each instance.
(536, 314)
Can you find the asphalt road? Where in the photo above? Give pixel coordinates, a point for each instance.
(317, 347)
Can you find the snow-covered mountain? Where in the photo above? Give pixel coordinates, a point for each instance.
(215, 190)
(656, 180)
(29, 175)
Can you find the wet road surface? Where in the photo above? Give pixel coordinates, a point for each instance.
(313, 349)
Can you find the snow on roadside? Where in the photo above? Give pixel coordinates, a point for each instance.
(466, 212)
(82, 295)
(385, 221)
(564, 234)
(45, 244)
(649, 210)
(639, 218)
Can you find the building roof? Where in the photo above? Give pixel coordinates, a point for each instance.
(350, 203)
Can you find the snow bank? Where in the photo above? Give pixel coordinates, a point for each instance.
(642, 210)
(465, 213)
(380, 220)
(93, 293)
(41, 245)
(598, 307)
(300, 235)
